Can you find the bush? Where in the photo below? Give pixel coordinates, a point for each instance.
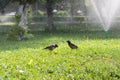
(62, 13)
(17, 18)
(19, 33)
(41, 13)
(15, 33)
(30, 16)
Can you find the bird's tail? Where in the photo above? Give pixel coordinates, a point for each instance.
(44, 48)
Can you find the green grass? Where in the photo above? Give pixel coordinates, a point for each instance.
(97, 58)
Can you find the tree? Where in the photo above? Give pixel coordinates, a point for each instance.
(3, 4)
(50, 25)
(23, 10)
(20, 30)
(72, 9)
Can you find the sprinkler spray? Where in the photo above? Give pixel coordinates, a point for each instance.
(106, 34)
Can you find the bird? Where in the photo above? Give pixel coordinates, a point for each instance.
(51, 47)
(71, 45)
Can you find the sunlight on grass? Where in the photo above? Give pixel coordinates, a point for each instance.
(96, 58)
(7, 23)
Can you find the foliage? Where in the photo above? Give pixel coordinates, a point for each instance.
(17, 32)
(17, 18)
(25, 1)
(30, 15)
(41, 13)
(4, 3)
(62, 13)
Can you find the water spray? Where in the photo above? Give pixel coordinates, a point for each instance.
(106, 34)
(106, 30)
(105, 11)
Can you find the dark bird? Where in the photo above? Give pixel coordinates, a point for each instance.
(71, 45)
(51, 47)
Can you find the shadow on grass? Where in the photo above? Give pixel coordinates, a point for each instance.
(41, 38)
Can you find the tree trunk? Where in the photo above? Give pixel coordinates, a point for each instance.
(22, 20)
(23, 12)
(86, 13)
(72, 9)
(50, 23)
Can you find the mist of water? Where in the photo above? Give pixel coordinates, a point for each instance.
(105, 11)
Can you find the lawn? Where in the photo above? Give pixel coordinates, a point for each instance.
(97, 58)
